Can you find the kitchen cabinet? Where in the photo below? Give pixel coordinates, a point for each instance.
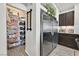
(69, 19)
(66, 19)
(62, 20)
(67, 40)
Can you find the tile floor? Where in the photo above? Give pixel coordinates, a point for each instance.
(17, 51)
(63, 51)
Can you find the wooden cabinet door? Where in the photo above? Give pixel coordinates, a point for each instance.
(66, 19)
(62, 20)
(70, 19)
(67, 40)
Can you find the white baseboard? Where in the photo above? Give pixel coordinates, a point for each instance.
(27, 53)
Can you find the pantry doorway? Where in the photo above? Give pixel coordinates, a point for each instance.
(16, 20)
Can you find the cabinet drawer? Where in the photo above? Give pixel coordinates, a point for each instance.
(68, 45)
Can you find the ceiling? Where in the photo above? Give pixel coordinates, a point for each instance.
(65, 6)
(27, 4)
(61, 6)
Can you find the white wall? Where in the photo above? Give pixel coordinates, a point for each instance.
(76, 19)
(38, 6)
(66, 11)
(3, 36)
(31, 35)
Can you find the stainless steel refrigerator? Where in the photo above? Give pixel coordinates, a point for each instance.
(48, 33)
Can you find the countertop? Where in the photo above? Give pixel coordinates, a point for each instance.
(68, 33)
